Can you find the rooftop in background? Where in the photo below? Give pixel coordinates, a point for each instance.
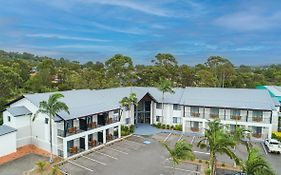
(4, 129)
(87, 102)
(274, 91)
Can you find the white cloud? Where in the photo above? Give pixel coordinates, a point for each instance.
(246, 21)
(63, 37)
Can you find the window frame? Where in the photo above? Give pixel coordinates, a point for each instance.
(159, 106)
(176, 107)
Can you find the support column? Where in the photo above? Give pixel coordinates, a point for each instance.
(119, 131)
(104, 136)
(64, 147)
(86, 142)
(203, 126)
(183, 125)
(269, 132)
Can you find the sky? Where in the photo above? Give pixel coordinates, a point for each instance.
(244, 31)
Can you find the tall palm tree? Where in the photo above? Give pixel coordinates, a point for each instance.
(181, 151)
(256, 164)
(129, 101)
(165, 86)
(218, 141)
(51, 108)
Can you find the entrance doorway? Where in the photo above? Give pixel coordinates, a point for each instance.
(143, 110)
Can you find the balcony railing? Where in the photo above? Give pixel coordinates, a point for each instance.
(194, 129)
(235, 117)
(214, 116)
(257, 135)
(195, 114)
(257, 119)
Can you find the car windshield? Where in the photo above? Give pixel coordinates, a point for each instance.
(274, 143)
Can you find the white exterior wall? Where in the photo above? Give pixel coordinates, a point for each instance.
(8, 144)
(31, 132)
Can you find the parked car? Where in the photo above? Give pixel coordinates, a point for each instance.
(273, 145)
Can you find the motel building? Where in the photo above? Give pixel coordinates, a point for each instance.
(96, 116)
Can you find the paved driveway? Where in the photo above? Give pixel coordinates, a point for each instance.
(20, 165)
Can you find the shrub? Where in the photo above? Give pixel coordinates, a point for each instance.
(208, 171)
(163, 126)
(276, 136)
(172, 127)
(223, 164)
(132, 129)
(168, 126)
(158, 125)
(178, 127)
(200, 161)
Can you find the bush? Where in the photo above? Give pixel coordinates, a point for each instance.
(223, 164)
(200, 161)
(132, 128)
(168, 126)
(178, 127)
(158, 125)
(163, 126)
(172, 127)
(275, 136)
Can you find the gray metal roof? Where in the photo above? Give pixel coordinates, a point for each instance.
(86, 102)
(276, 90)
(18, 111)
(4, 129)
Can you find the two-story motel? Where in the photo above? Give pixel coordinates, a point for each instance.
(96, 115)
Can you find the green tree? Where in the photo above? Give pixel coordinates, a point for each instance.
(218, 141)
(256, 164)
(41, 166)
(181, 151)
(51, 108)
(129, 101)
(165, 86)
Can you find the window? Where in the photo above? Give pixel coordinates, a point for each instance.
(9, 118)
(257, 113)
(235, 112)
(194, 124)
(215, 111)
(158, 106)
(176, 107)
(176, 120)
(158, 118)
(46, 120)
(127, 121)
(194, 109)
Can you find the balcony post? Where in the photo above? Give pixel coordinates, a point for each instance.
(86, 142)
(104, 136)
(119, 131)
(64, 144)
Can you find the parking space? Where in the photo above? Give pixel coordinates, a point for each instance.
(129, 156)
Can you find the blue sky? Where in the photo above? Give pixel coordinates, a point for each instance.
(246, 32)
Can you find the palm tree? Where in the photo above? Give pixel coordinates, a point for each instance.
(41, 166)
(165, 86)
(181, 151)
(241, 136)
(55, 171)
(218, 141)
(51, 108)
(128, 101)
(256, 164)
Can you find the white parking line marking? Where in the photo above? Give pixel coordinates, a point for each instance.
(192, 139)
(181, 169)
(104, 164)
(200, 152)
(180, 137)
(264, 149)
(81, 166)
(106, 155)
(123, 152)
(64, 172)
(128, 146)
(134, 142)
(167, 137)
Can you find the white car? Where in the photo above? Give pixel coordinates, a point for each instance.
(273, 145)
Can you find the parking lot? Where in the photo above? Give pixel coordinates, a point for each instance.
(203, 154)
(129, 156)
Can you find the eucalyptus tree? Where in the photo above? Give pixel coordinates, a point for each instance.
(51, 108)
